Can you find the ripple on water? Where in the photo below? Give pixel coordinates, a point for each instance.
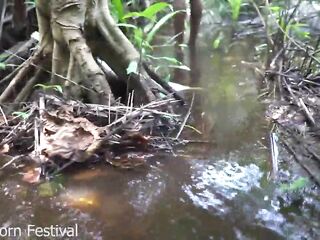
(214, 184)
(143, 193)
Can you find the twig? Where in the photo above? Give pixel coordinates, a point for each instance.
(274, 153)
(299, 161)
(11, 161)
(27, 89)
(291, 39)
(47, 71)
(2, 15)
(186, 118)
(162, 83)
(300, 103)
(42, 108)
(4, 116)
(306, 110)
(169, 146)
(12, 74)
(263, 22)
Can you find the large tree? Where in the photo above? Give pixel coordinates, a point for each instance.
(73, 35)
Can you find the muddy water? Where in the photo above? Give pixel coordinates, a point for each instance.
(210, 191)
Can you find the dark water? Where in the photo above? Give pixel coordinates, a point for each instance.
(206, 191)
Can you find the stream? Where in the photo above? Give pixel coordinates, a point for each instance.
(216, 190)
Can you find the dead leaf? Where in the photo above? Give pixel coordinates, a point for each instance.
(32, 175)
(5, 148)
(66, 136)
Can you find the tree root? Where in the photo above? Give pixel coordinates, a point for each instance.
(28, 88)
(28, 66)
(73, 34)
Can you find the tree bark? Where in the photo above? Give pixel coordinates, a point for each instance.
(73, 34)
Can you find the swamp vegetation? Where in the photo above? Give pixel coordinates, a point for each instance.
(161, 119)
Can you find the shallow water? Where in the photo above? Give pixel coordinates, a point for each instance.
(210, 191)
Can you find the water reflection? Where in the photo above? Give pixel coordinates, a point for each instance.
(144, 193)
(213, 183)
(224, 197)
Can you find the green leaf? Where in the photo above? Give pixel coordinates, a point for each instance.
(23, 115)
(57, 88)
(295, 185)
(216, 43)
(3, 56)
(275, 9)
(149, 12)
(119, 8)
(159, 24)
(138, 36)
(48, 189)
(133, 67)
(2, 66)
(153, 9)
(235, 8)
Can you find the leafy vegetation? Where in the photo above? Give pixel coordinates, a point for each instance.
(235, 8)
(57, 88)
(296, 185)
(143, 35)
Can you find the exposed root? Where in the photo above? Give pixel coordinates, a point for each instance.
(28, 66)
(162, 83)
(29, 87)
(73, 35)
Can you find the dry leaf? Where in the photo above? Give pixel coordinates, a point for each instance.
(5, 148)
(32, 175)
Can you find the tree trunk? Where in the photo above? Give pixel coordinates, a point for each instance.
(73, 34)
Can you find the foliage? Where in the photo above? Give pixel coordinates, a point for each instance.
(143, 35)
(287, 24)
(150, 12)
(3, 57)
(118, 9)
(295, 185)
(2, 65)
(235, 8)
(49, 189)
(22, 115)
(57, 88)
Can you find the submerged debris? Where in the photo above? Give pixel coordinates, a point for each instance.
(56, 133)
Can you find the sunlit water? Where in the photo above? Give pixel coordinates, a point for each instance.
(210, 191)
